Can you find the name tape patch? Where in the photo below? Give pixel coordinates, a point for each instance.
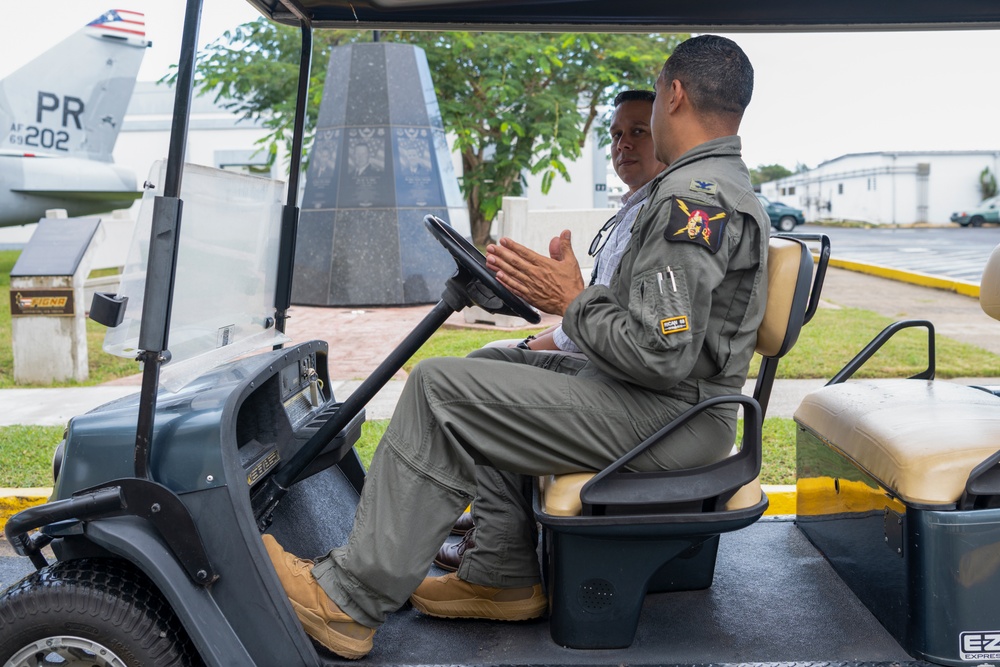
(673, 325)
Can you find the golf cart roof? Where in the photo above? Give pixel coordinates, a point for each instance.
(636, 15)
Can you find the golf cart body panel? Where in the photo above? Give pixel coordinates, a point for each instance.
(214, 444)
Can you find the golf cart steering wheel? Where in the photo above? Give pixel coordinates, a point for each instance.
(485, 291)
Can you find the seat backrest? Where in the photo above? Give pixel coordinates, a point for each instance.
(789, 273)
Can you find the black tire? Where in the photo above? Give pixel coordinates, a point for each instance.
(977, 221)
(787, 223)
(94, 612)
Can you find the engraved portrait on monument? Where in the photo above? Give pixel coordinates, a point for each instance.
(322, 173)
(367, 184)
(416, 184)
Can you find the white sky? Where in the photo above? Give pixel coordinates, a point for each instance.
(817, 96)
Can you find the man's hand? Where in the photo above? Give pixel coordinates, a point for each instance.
(549, 284)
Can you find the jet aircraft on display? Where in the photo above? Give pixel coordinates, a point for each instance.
(60, 115)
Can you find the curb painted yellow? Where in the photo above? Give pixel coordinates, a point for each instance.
(962, 287)
(781, 497)
(13, 501)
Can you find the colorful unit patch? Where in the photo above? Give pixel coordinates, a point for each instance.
(696, 223)
(673, 325)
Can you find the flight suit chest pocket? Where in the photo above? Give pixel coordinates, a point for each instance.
(660, 302)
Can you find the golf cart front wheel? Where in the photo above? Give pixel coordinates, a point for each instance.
(93, 613)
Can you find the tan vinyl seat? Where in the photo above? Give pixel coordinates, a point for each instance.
(921, 439)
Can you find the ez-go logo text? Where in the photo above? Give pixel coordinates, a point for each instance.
(980, 645)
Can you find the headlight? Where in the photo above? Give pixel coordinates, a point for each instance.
(57, 459)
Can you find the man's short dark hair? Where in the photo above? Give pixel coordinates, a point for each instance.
(716, 74)
(633, 95)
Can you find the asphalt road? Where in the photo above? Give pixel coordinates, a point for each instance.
(952, 252)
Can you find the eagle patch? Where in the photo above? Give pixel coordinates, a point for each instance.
(697, 223)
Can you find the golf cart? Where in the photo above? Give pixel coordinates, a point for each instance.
(160, 498)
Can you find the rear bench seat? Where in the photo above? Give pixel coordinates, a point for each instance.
(899, 488)
(920, 439)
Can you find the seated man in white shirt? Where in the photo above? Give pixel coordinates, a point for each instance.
(633, 160)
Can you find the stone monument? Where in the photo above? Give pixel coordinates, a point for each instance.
(379, 163)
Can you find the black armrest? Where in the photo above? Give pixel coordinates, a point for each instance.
(881, 339)
(616, 486)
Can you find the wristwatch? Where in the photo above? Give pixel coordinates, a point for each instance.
(524, 343)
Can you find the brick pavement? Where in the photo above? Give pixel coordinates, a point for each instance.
(360, 338)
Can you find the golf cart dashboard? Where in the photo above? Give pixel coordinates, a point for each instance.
(260, 409)
(285, 407)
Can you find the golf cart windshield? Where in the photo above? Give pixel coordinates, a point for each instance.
(227, 260)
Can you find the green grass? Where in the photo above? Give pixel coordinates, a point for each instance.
(31, 448)
(459, 342)
(825, 345)
(834, 336)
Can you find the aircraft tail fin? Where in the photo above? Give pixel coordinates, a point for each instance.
(71, 100)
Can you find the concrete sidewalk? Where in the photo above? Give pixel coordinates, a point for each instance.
(359, 339)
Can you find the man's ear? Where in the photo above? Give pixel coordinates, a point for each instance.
(677, 96)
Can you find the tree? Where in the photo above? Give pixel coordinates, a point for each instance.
(987, 183)
(770, 172)
(515, 102)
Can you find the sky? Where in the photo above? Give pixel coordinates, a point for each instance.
(816, 96)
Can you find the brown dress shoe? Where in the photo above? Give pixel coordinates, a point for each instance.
(320, 616)
(449, 556)
(463, 525)
(450, 597)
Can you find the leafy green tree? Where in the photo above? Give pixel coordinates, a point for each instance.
(987, 183)
(766, 173)
(515, 102)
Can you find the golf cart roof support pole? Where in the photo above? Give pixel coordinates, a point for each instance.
(290, 213)
(163, 244)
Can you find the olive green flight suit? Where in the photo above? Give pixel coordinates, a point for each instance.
(676, 325)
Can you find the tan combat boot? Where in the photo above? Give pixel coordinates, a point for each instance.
(450, 597)
(320, 616)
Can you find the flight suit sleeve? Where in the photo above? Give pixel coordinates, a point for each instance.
(655, 336)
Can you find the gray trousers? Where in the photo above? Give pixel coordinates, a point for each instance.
(481, 428)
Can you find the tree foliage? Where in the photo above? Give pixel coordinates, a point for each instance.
(769, 172)
(514, 102)
(987, 183)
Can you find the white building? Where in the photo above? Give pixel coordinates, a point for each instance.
(216, 136)
(900, 187)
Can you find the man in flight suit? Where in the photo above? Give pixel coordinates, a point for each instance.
(676, 325)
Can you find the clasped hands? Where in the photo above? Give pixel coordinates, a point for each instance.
(547, 283)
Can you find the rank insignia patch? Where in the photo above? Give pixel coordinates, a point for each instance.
(696, 223)
(708, 187)
(673, 325)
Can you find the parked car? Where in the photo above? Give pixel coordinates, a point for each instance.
(783, 217)
(987, 211)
